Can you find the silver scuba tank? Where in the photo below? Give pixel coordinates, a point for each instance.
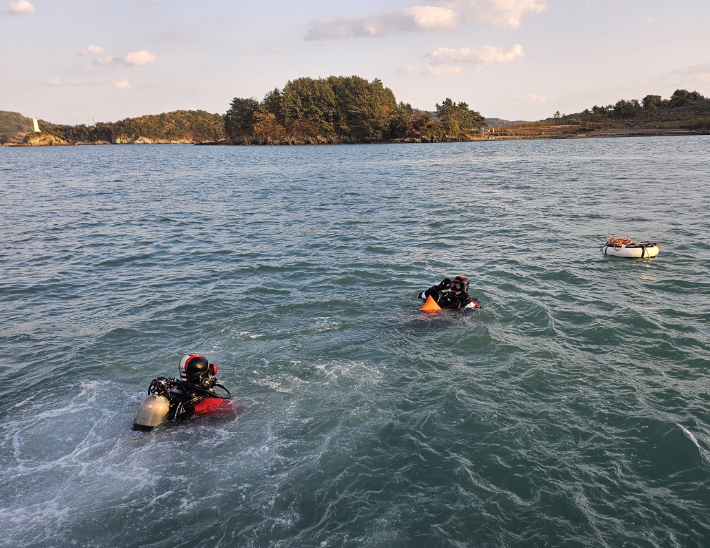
(152, 411)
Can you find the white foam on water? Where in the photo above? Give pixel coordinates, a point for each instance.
(688, 434)
(323, 324)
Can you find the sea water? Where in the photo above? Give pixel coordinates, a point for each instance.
(572, 410)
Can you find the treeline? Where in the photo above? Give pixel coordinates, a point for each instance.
(191, 126)
(633, 108)
(343, 109)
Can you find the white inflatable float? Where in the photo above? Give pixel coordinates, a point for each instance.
(620, 246)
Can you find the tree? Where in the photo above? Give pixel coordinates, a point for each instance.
(651, 102)
(312, 100)
(477, 120)
(679, 97)
(273, 104)
(682, 96)
(626, 109)
(266, 125)
(401, 121)
(447, 109)
(466, 119)
(239, 119)
(695, 96)
(362, 108)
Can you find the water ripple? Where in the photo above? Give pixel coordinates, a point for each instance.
(572, 410)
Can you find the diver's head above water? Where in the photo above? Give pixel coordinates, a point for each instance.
(460, 284)
(194, 368)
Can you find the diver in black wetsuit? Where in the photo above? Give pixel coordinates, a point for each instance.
(450, 294)
(170, 399)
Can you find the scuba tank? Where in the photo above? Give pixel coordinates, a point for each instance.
(153, 410)
(170, 400)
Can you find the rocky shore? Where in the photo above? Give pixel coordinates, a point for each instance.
(508, 134)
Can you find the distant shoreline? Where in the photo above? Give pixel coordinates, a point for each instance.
(353, 110)
(602, 134)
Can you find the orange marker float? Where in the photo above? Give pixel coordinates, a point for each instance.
(430, 306)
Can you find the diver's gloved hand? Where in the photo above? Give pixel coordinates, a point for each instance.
(445, 284)
(422, 295)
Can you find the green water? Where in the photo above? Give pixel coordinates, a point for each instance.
(572, 410)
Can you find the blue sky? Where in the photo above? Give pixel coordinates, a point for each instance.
(79, 61)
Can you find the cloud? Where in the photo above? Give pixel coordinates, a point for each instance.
(446, 61)
(415, 19)
(92, 51)
(97, 82)
(439, 70)
(505, 13)
(530, 98)
(692, 69)
(105, 60)
(81, 67)
(132, 58)
(122, 84)
(486, 54)
(20, 7)
(450, 15)
(690, 75)
(138, 58)
(430, 18)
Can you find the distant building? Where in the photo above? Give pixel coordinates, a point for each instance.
(36, 125)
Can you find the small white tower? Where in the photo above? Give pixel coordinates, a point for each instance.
(36, 125)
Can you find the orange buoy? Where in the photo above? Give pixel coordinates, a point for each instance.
(430, 305)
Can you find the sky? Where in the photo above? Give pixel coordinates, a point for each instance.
(87, 61)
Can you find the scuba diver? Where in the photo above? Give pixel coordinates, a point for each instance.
(171, 400)
(450, 294)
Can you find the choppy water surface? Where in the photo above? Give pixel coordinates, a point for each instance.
(573, 410)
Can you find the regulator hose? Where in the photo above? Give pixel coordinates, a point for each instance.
(208, 392)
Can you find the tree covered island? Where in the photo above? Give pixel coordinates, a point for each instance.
(344, 109)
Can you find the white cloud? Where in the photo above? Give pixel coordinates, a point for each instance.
(122, 84)
(92, 51)
(132, 58)
(58, 82)
(20, 7)
(429, 18)
(690, 75)
(530, 98)
(416, 19)
(105, 60)
(446, 60)
(451, 14)
(81, 67)
(439, 70)
(486, 54)
(138, 58)
(506, 13)
(692, 69)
